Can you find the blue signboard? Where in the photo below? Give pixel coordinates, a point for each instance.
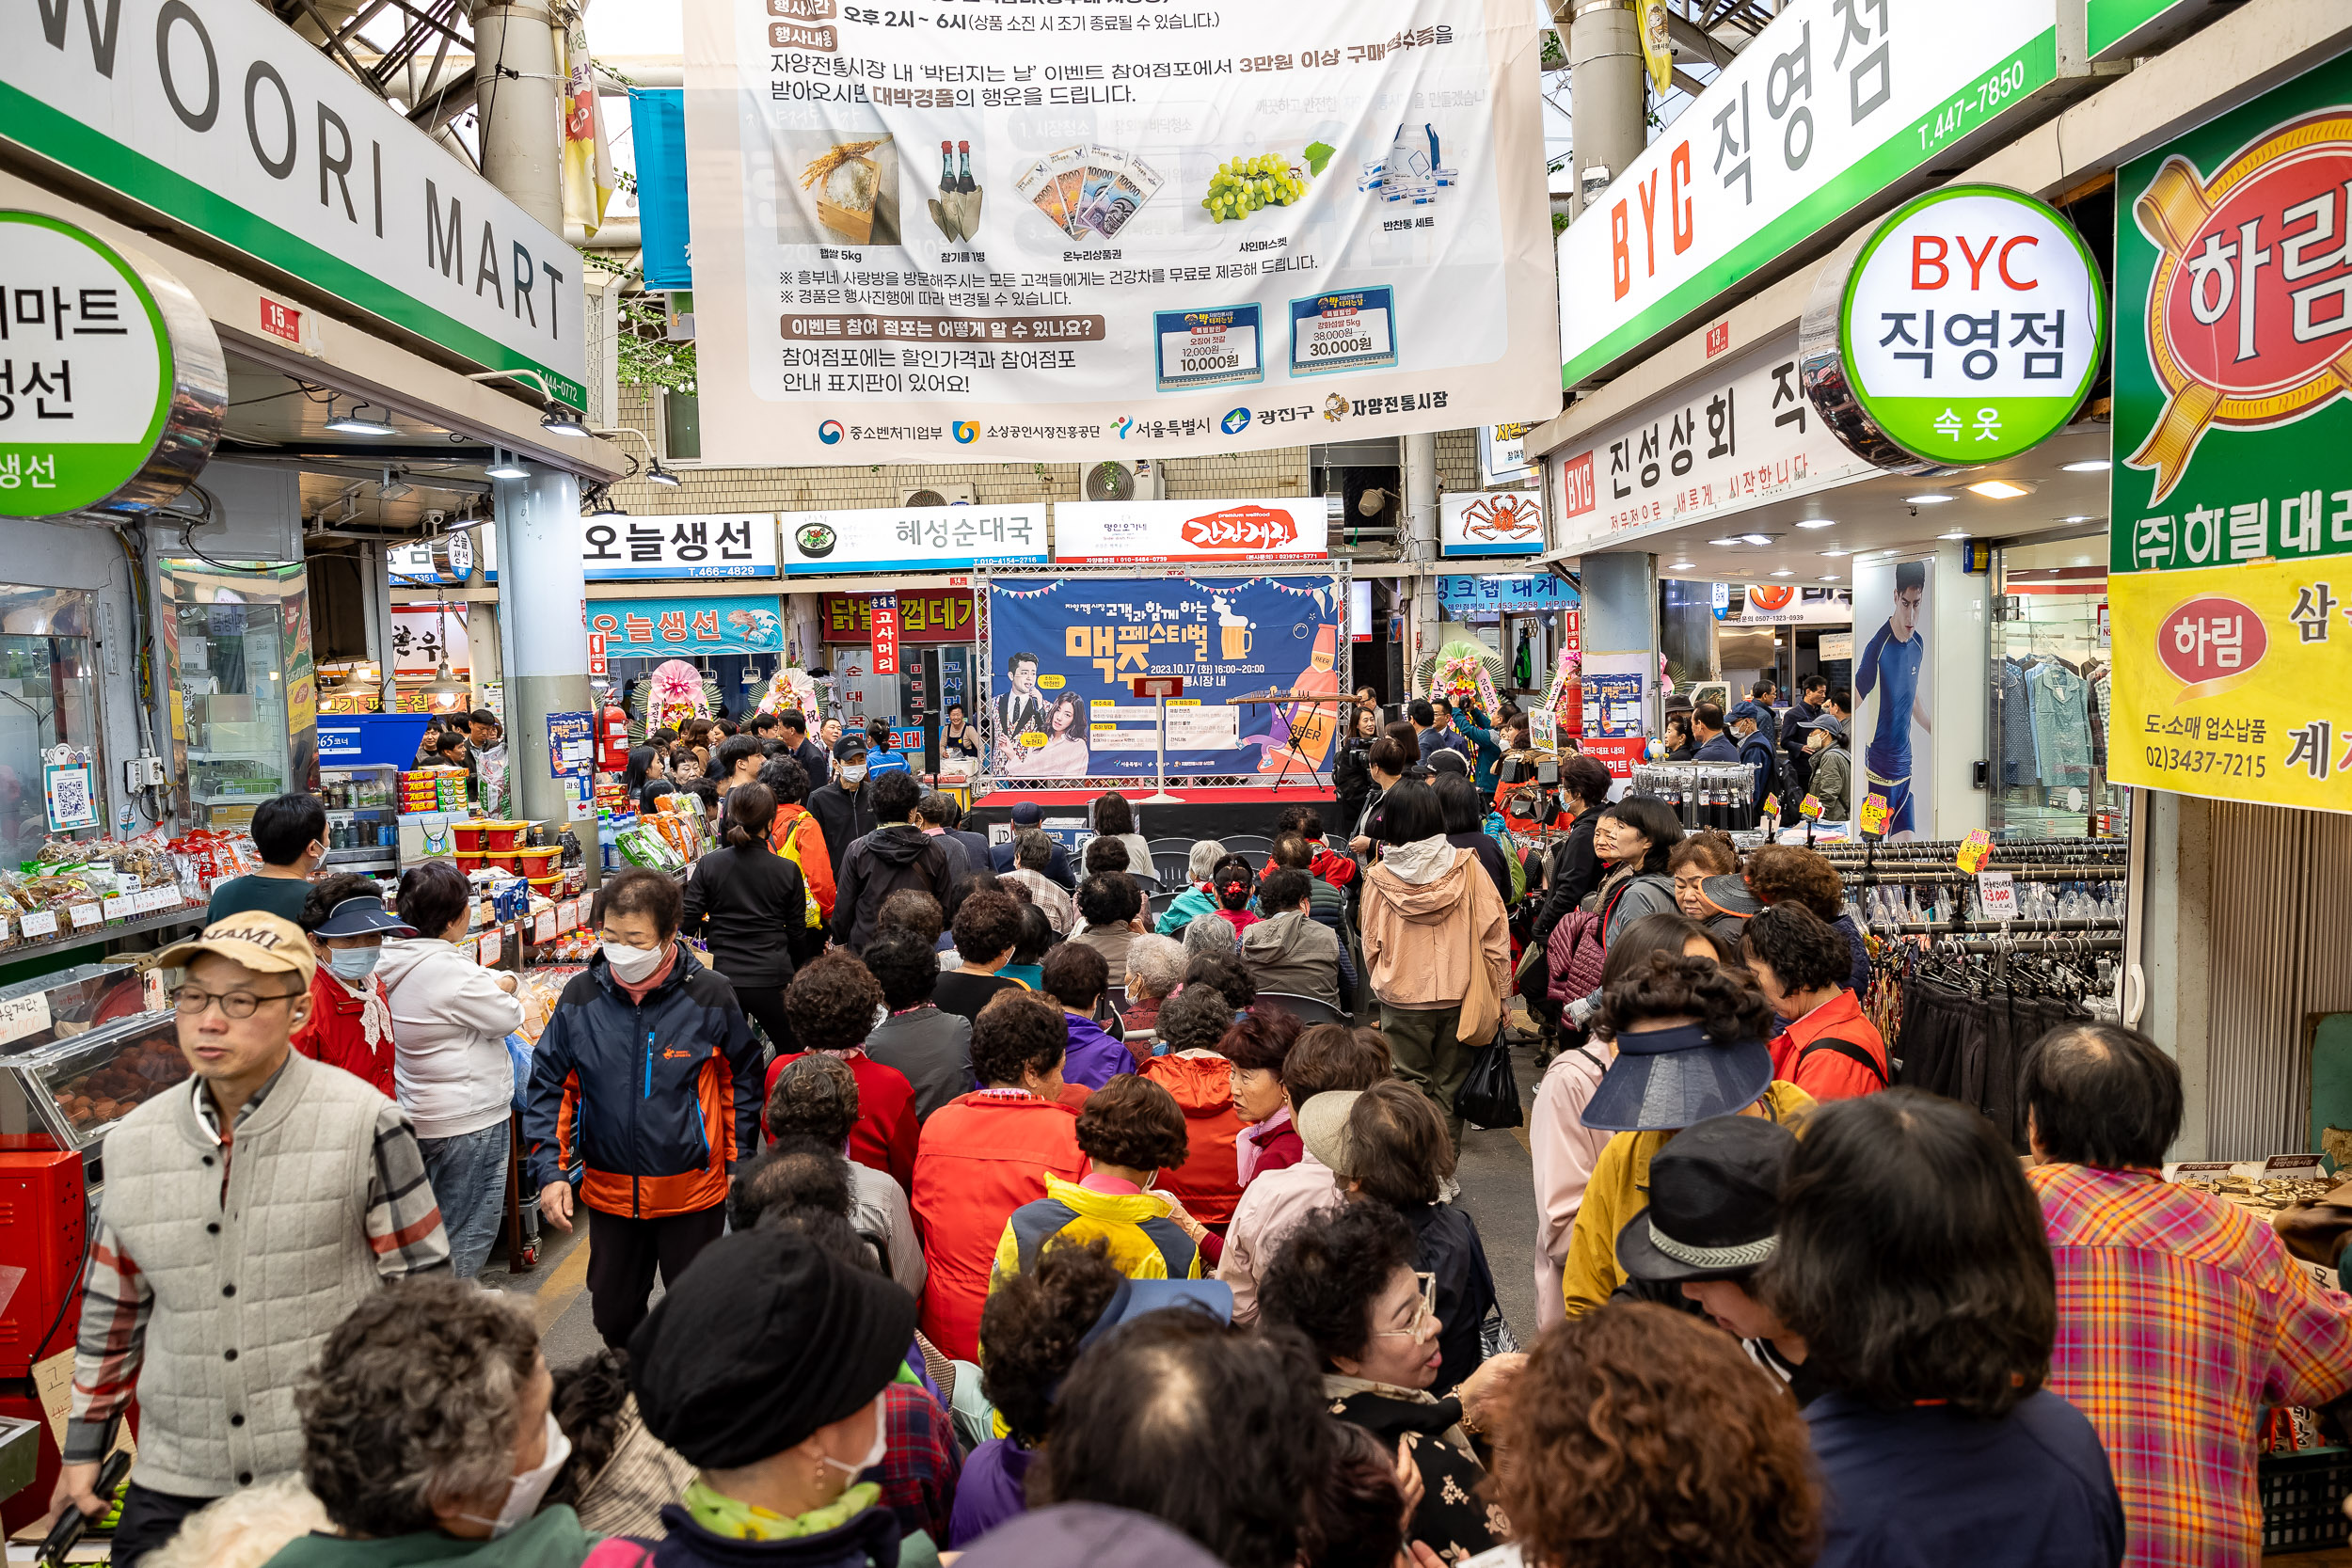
(1352, 330)
(663, 628)
(1209, 348)
(370, 739)
(1063, 655)
(1461, 595)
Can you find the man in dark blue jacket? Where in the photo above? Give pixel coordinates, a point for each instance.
(1755, 750)
(646, 1076)
(1706, 724)
(1029, 815)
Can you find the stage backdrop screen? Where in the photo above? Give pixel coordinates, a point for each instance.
(1064, 653)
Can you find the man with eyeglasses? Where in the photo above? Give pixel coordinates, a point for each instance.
(244, 1215)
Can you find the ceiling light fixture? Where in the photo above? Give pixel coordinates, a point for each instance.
(2088, 466)
(560, 420)
(1680, 565)
(1757, 538)
(503, 467)
(2000, 489)
(1956, 533)
(353, 424)
(2078, 517)
(1732, 543)
(1932, 497)
(1834, 554)
(1784, 572)
(1827, 577)
(1818, 522)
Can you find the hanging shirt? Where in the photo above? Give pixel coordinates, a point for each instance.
(2061, 724)
(2019, 764)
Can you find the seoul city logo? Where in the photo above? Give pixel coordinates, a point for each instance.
(830, 432)
(1122, 425)
(1235, 422)
(967, 432)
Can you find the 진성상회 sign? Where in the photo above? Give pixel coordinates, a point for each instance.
(1066, 230)
(2231, 550)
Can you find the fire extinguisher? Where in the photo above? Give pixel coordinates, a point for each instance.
(613, 726)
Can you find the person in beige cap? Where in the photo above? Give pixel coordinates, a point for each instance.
(242, 1218)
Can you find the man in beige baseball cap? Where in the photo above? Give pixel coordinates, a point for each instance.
(244, 1215)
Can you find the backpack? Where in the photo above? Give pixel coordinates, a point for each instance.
(790, 849)
(1574, 953)
(1518, 869)
(1852, 1053)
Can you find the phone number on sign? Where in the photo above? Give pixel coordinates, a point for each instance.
(2236, 765)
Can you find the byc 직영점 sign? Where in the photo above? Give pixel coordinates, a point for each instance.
(112, 384)
(1966, 331)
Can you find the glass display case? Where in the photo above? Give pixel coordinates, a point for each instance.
(69, 1094)
(2047, 714)
(48, 698)
(51, 1007)
(362, 817)
(237, 642)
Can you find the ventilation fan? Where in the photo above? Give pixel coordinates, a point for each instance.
(1113, 480)
(937, 495)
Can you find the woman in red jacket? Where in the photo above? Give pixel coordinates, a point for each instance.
(832, 1002)
(986, 1153)
(350, 1025)
(1827, 1048)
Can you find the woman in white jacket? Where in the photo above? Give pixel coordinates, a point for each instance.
(451, 1018)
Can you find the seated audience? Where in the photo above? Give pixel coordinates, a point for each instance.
(1130, 1131)
(1287, 951)
(1110, 906)
(1074, 978)
(932, 1049)
(1155, 967)
(1255, 1047)
(1030, 949)
(1032, 852)
(1233, 886)
(1333, 866)
(1196, 900)
(987, 928)
(832, 1002)
(816, 1100)
(1189, 1068)
(617, 1478)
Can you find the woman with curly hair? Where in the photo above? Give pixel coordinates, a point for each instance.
(833, 1003)
(1616, 1458)
(1790, 872)
(1690, 1037)
(1131, 1129)
(1346, 1280)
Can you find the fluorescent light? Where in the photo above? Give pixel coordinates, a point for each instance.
(1929, 498)
(1784, 572)
(1833, 554)
(503, 467)
(2000, 489)
(2076, 518)
(1757, 538)
(2088, 466)
(1818, 522)
(1827, 577)
(1956, 533)
(1680, 565)
(560, 420)
(1728, 544)
(352, 424)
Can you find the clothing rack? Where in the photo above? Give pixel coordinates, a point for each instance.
(1704, 794)
(2060, 945)
(2017, 873)
(1938, 927)
(2005, 849)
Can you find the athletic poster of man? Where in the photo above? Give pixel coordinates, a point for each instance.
(1898, 757)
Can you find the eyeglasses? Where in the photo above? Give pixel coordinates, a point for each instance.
(233, 1004)
(1424, 1323)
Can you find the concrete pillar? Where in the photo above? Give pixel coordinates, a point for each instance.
(1420, 536)
(2169, 979)
(520, 102)
(1607, 106)
(375, 582)
(1620, 626)
(542, 624)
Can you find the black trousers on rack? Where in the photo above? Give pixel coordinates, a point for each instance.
(1973, 1048)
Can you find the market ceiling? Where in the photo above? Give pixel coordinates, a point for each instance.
(1879, 514)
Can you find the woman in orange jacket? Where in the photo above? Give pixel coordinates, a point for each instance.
(795, 833)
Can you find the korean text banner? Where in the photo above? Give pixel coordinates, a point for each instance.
(737, 544)
(1832, 108)
(2235, 682)
(1124, 533)
(658, 629)
(893, 538)
(1064, 653)
(1060, 229)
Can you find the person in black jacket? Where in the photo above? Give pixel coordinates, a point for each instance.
(749, 899)
(1351, 774)
(1797, 766)
(1459, 798)
(938, 811)
(843, 809)
(792, 729)
(1755, 751)
(896, 855)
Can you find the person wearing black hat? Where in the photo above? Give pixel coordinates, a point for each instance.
(844, 808)
(1028, 814)
(1689, 1036)
(1714, 1203)
(764, 1366)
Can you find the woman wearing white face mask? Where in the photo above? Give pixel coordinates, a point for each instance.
(765, 1366)
(451, 1018)
(426, 1436)
(349, 1025)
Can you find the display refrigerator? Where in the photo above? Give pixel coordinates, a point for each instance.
(244, 697)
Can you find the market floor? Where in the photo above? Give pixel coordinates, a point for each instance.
(1497, 1191)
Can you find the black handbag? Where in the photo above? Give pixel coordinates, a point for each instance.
(1489, 1096)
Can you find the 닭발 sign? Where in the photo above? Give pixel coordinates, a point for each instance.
(1968, 330)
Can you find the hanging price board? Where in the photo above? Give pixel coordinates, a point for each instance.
(1975, 850)
(1811, 807)
(1996, 894)
(1874, 815)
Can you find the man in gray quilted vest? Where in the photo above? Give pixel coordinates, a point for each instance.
(244, 1214)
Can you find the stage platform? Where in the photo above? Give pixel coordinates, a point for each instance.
(1205, 813)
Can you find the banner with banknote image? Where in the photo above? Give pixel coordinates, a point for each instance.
(1064, 231)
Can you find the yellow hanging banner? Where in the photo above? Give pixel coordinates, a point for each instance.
(1658, 52)
(2235, 682)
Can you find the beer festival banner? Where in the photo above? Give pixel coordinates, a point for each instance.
(2231, 550)
(1060, 230)
(1064, 653)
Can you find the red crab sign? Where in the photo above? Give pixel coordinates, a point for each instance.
(1500, 522)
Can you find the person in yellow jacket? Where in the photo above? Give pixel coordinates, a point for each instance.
(1691, 1044)
(1130, 1131)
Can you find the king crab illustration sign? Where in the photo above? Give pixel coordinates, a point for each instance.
(2232, 636)
(1504, 522)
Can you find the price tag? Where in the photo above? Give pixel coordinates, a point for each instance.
(1874, 815)
(543, 926)
(86, 914)
(1975, 850)
(1996, 894)
(567, 915)
(121, 907)
(1811, 806)
(21, 1016)
(41, 922)
(493, 944)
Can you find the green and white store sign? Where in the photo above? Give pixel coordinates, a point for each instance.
(1966, 331)
(112, 384)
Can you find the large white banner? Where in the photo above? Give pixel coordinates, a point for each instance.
(1833, 105)
(675, 545)
(929, 538)
(1177, 532)
(1065, 229)
(219, 115)
(1738, 438)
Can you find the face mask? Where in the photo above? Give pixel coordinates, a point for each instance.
(853, 775)
(631, 965)
(873, 1454)
(352, 964)
(524, 1491)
